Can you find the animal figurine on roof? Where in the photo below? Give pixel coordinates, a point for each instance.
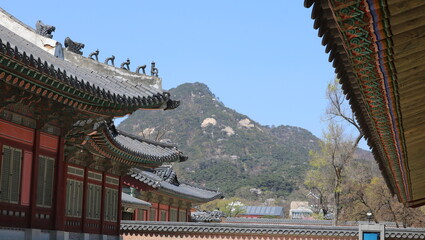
(126, 65)
(44, 29)
(74, 47)
(95, 54)
(141, 67)
(154, 70)
(110, 59)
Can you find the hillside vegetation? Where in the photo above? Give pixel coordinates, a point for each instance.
(227, 150)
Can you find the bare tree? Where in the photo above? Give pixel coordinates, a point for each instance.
(354, 188)
(337, 149)
(341, 150)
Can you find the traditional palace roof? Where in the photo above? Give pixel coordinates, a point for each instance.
(138, 227)
(66, 88)
(33, 69)
(133, 150)
(298, 222)
(130, 201)
(377, 48)
(207, 216)
(263, 210)
(157, 179)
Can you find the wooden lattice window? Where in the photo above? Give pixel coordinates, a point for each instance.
(182, 216)
(94, 176)
(141, 215)
(74, 198)
(112, 181)
(94, 195)
(111, 204)
(152, 214)
(173, 215)
(163, 215)
(46, 169)
(10, 174)
(75, 171)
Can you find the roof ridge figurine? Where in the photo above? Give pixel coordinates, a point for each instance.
(95, 54)
(110, 59)
(74, 47)
(141, 67)
(126, 65)
(44, 29)
(154, 70)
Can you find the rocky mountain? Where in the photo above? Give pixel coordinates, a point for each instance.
(227, 150)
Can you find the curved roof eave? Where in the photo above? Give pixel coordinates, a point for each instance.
(131, 150)
(375, 47)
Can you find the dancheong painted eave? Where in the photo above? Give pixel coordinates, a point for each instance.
(28, 67)
(129, 149)
(378, 50)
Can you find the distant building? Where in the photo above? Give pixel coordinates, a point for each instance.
(299, 204)
(300, 213)
(131, 207)
(300, 210)
(262, 211)
(207, 216)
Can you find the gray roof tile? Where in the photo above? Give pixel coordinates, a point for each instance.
(137, 150)
(174, 188)
(297, 221)
(263, 210)
(141, 227)
(126, 92)
(127, 199)
(212, 216)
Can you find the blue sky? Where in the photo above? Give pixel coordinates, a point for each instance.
(261, 58)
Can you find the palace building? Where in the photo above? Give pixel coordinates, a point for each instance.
(133, 208)
(63, 160)
(171, 200)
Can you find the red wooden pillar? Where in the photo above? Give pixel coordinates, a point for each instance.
(119, 205)
(136, 214)
(102, 204)
(158, 210)
(84, 209)
(33, 197)
(178, 212)
(26, 177)
(59, 200)
(169, 210)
